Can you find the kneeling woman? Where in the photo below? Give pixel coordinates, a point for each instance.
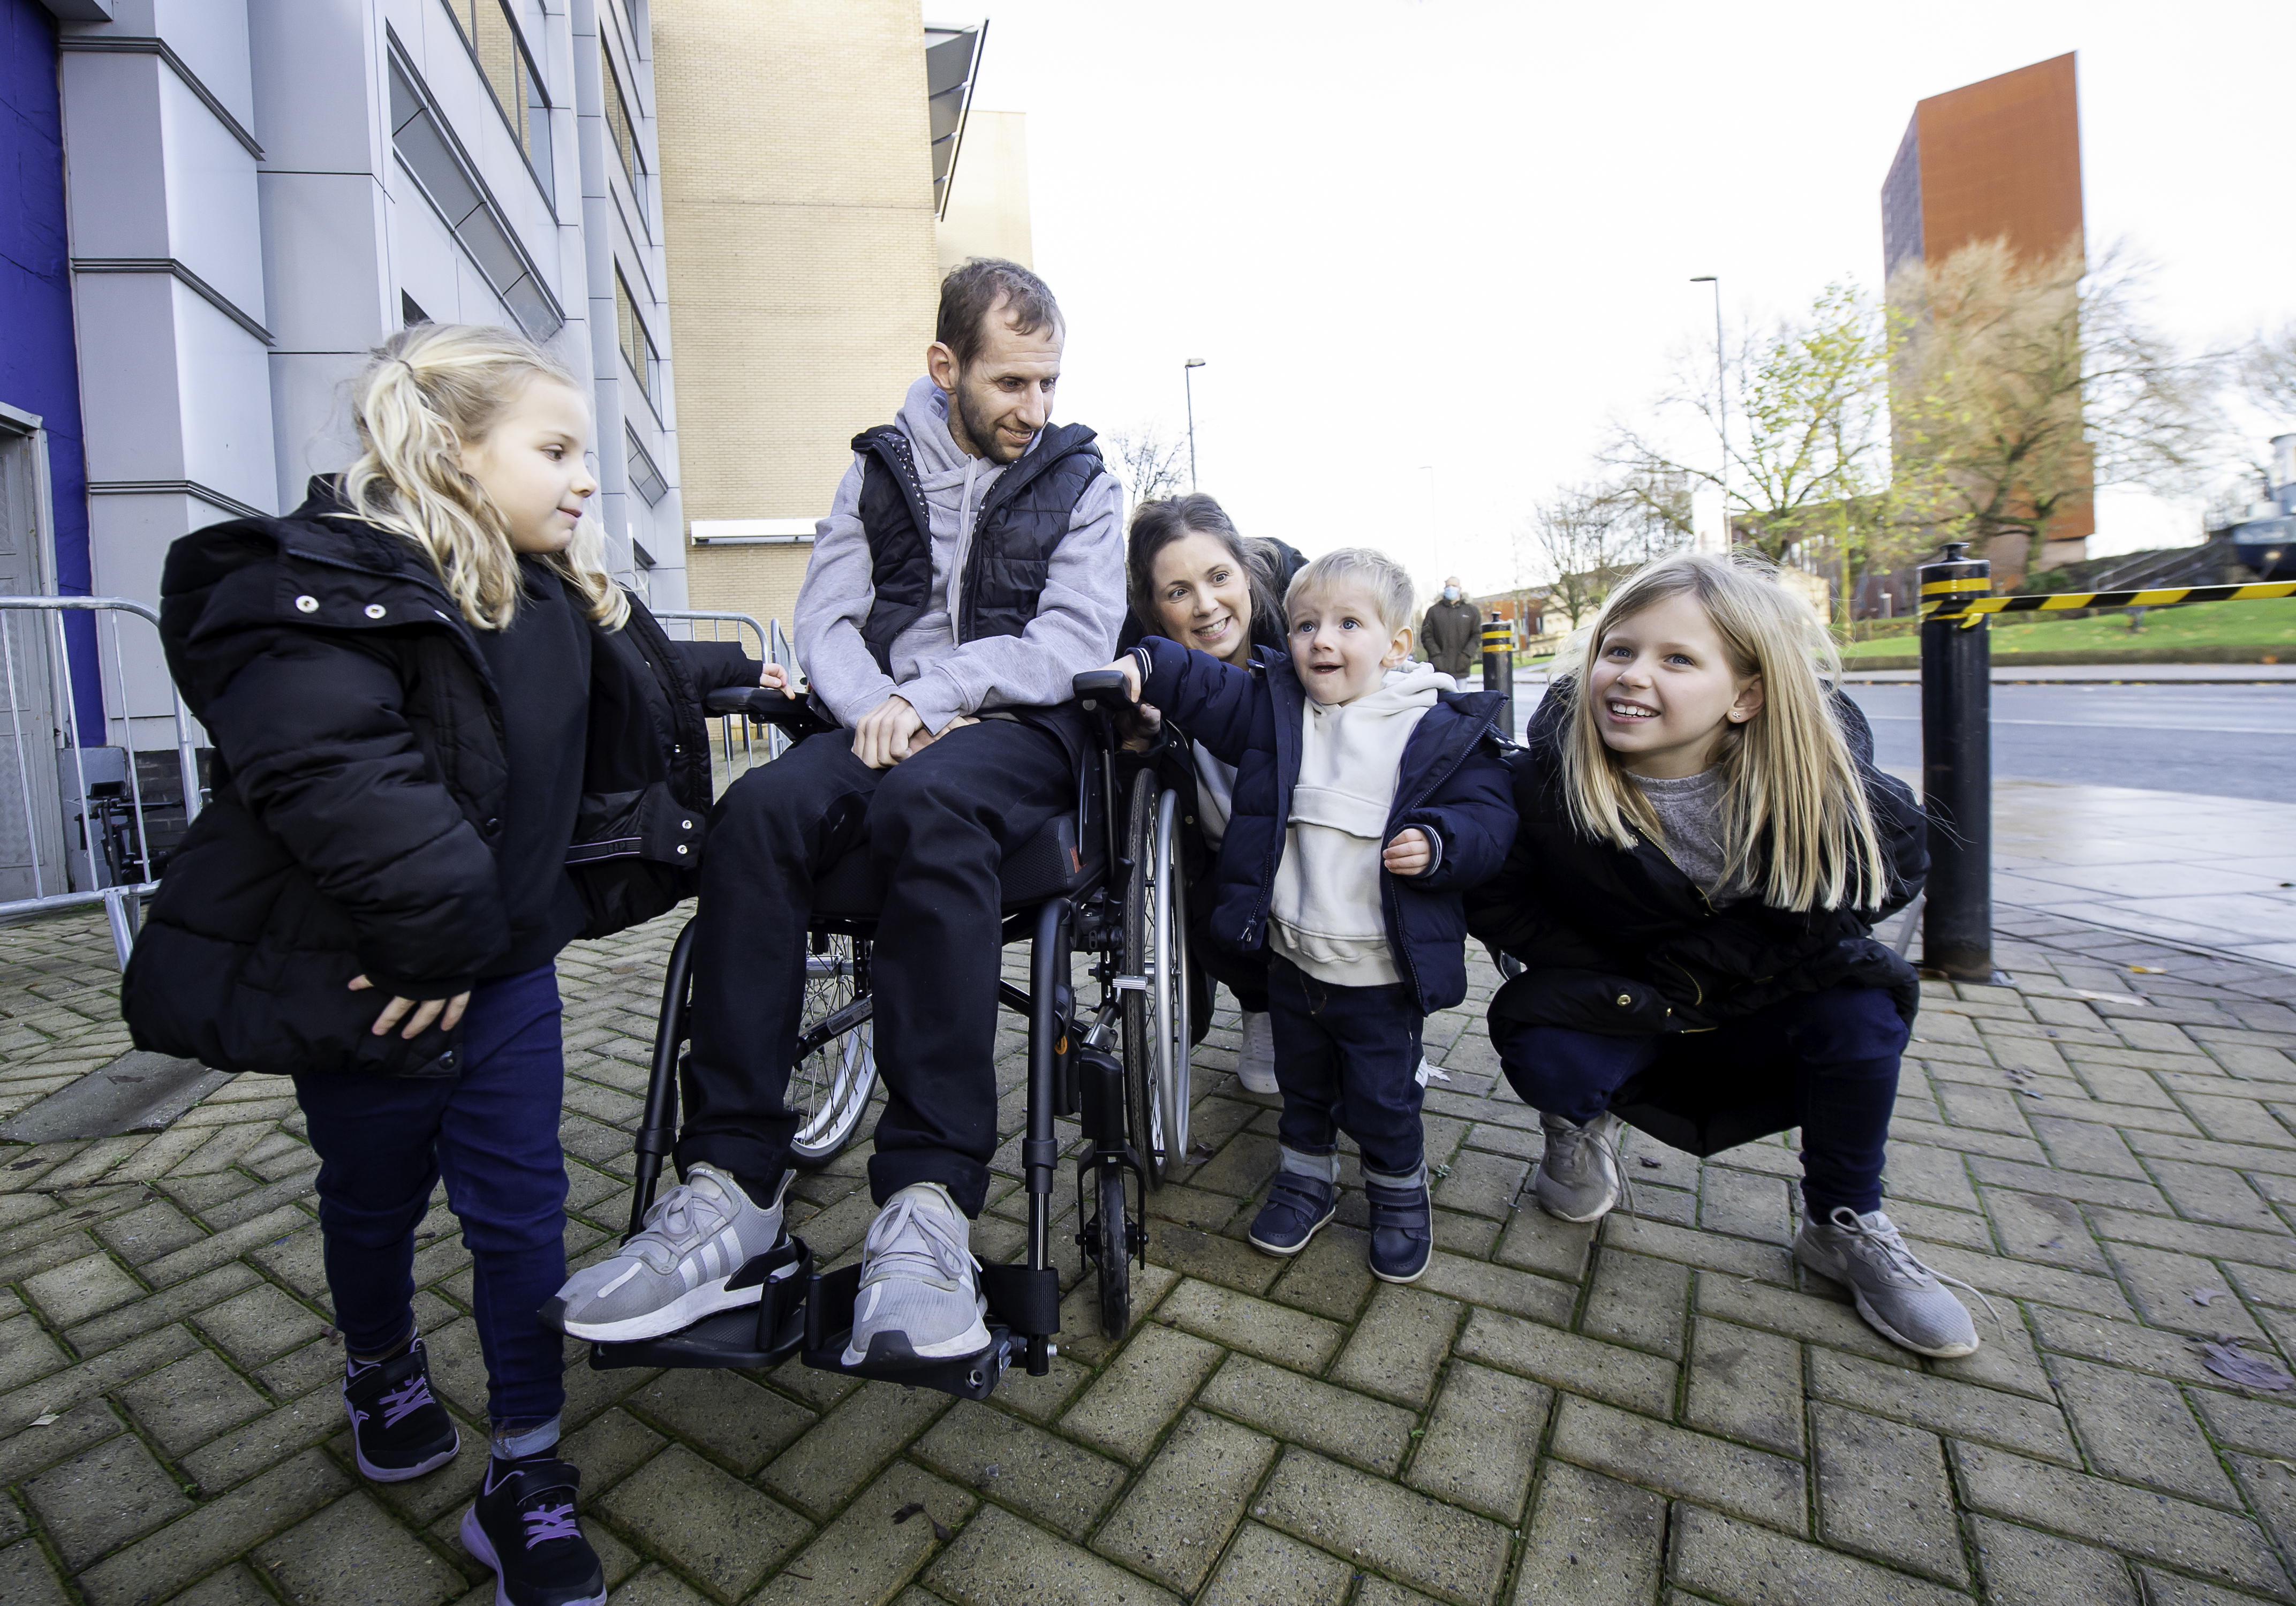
(1704, 847)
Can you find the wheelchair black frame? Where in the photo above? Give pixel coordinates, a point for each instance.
(1070, 1071)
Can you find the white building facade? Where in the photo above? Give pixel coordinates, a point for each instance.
(258, 191)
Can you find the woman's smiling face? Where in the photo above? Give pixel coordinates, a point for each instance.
(1663, 690)
(1202, 598)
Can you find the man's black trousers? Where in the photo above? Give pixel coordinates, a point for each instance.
(938, 825)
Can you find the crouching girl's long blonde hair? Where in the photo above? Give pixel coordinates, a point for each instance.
(1793, 809)
(424, 392)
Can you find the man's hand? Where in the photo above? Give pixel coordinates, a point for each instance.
(1409, 854)
(887, 734)
(424, 1012)
(775, 676)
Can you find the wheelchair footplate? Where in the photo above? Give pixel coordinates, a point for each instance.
(1022, 1304)
(753, 1336)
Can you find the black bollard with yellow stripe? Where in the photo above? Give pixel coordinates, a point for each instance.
(1957, 768)
(1498, 666)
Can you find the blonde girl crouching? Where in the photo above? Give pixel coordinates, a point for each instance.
(428, 699)
(1704, 847)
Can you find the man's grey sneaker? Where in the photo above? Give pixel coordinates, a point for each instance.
(1577, 1176)
(920, 1300)
(1255, 1061)
(397, 1429)
(1402, 1230)
(1298, 1206)
(1900, 1298)
(522, 1525)
(674, 1273)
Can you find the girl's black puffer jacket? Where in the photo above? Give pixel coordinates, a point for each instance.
(358, 788)
(1621, 942)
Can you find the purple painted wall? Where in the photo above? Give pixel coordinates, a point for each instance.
(39, 372)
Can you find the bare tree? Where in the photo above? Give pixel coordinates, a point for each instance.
(1580, 542)
(2268, 373)
(1151, 467)
(2020, 383)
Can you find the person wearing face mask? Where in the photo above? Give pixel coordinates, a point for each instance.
(1452, 631)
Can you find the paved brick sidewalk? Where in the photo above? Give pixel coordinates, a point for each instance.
(1665, 1409)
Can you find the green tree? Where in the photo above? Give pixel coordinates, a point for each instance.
(1808, 437)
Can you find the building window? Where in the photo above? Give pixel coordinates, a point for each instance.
(619, 127)
(509, 71)
(420, 137)
(645, 479)
(637, 346)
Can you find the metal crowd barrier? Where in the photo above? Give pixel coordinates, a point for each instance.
(1957, 739)
(99, 788)
(772, 646)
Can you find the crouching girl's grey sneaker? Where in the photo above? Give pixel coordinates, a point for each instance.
(674, 1273)
(1900, 1298)
(920, 1300)
(1577, 1176)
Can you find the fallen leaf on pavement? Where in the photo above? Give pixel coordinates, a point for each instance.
(2201, 1296)
(1653, 1164)
(909, 1510)
(45, 1418)
(940, 1530)
(2235, 1364)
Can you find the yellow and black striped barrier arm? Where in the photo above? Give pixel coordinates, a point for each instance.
(1960, 599)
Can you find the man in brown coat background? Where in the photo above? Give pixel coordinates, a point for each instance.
(1452, 631)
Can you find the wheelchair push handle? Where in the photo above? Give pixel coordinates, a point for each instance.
(768, 705)
(1095, 685)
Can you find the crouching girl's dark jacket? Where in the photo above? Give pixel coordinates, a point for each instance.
(359, 786)
(1451, 784)
(1619, 941)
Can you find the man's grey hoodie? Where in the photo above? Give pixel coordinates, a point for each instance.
(1077, 616)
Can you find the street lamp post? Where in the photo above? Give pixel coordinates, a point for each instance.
(1721, 402)
(1188, 382)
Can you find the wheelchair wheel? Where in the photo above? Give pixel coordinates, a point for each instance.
(1112, 1252)
(1157, 1040)
(836, 1065)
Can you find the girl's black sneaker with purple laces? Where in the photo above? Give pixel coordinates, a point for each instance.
(397, 1429)
(522, 1525)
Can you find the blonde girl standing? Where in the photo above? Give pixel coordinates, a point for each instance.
(428, 700)
(1704, 847)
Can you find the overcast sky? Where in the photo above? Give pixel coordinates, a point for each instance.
(1460, 234)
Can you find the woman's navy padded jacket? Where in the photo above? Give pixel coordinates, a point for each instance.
(358, 790)
(1451, 784)
(1619, 941)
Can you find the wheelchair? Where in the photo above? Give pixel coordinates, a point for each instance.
(1103, 882)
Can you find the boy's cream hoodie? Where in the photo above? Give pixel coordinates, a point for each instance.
(1326, 915)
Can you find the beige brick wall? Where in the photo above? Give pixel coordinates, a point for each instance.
(797, 204)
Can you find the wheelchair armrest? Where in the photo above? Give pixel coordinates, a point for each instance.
(769, 705)
(1093, 684)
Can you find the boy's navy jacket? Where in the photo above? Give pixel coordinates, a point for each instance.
(1452, 785)
(1619, 941)
(357, 791)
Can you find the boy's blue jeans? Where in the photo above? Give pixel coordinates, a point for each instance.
(1843, 1043)
(1346, 1059)
(384, 1142)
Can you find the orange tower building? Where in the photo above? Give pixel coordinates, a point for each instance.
(1994, 160)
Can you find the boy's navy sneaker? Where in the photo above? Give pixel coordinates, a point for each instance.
(397, 1429)
(1297, 1206)
(1402, 1231)
(522, 1526)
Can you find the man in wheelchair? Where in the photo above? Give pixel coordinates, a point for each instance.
(971, 564)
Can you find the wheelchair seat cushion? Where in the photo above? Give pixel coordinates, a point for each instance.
(1051, 863)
